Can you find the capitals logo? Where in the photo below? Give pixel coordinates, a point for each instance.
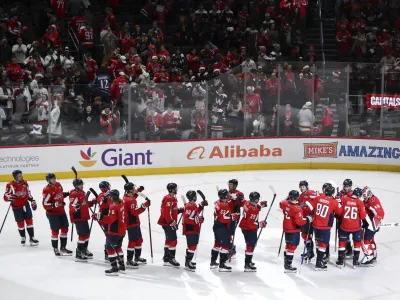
(88, 158)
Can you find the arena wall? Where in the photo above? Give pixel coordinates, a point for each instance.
(195, 156)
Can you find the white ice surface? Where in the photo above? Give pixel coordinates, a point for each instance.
(35, 273)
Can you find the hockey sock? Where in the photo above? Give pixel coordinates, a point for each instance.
(289, 259)
(21, 232)
(320, 256)
(214, 255)
(63, 241)
(130, 254)
(138, 252)
(81, 246)
(30, 232)
(189, 255)
(172, 253)
(223, 258)
(113, 261)
(327, 251)
(86, 244)
(166, 254)
(248, 258)
(54, 243)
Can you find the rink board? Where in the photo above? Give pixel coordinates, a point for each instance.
(172, 157)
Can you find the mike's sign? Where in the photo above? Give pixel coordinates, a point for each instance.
(379, 100)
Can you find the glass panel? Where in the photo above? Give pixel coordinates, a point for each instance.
(390, 122)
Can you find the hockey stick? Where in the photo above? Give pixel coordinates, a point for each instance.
(148, 215)
(76, 177)
(184, 203)
(280, 245)
(336, 220)
(269, 210)
(381, 225)
(102, 229)
(97, 197)
(5, 218)
(126, 179)
(201, 214)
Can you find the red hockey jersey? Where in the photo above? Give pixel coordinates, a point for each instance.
(169, 210)
(324, 208)
(222, 212)
(353, 211)
(292, 217)
(53, 198)
(374, 210)
(304, 197)
(104, 204)
(132, 211)
(191, 222)
(80, 213)
(19, 192)
(250, 215)
(115, 220)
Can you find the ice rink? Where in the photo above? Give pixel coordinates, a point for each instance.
(35, 273)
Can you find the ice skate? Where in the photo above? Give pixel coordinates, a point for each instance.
(140, 261)
(56, 252)
(65, 252)
(80, 256)
(23, 240)
(214, 265)
(112, 272)
(224, 268)
(88, 254)
(130, 264)
(250, 267)
(33, 241)
(189, 266)
(173, 263)
(288, 267)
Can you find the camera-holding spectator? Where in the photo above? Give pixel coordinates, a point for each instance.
(235, 115)
(42, 107)
(306, 119)
(172, 123)
(154, 123)
(217, 122)
(326, 120)
(90, 123)
(109, 121)
(19, 51)
(260, 126)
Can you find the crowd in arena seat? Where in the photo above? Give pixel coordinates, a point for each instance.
(174, 70)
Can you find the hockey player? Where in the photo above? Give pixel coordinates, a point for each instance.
(222, 221)
(346, 191)
(169, 222)
(132, 211)
(104, 206)
(235, 200)
(191, 227)
(293, 220)
(324, 207)
(116, 233)
(352, 213)
(306, 230)
(18, 194)
(53, 203)
(375, 214)
(250, 225)
(79, 215)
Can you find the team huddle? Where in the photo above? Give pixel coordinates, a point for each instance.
(309, 214)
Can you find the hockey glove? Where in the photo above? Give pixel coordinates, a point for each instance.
(77, 206)
(141, 188)
(11, 197)
(309, 219)
(97, 216)
(204, 203)
(66, 194)
(235, 217)
(145, 204)
(262, 224)
(34, 205)
(181, 210)
(263, 204)
(173, 225)
(201, 219)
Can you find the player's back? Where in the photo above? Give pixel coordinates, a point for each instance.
(353, 211)
(222, 212)
(250, 216)
(117, 227)
(324, 208)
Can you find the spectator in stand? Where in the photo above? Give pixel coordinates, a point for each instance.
(51, 39)
(343, 38)
(90, 123)
(86, 38)
(388, 60)
(306, 120)
(327, 120)
(367, 129)
(172, 123)
(19, 51)
(109, 121)
(154, 123)
(15, 29)
(59, 8)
